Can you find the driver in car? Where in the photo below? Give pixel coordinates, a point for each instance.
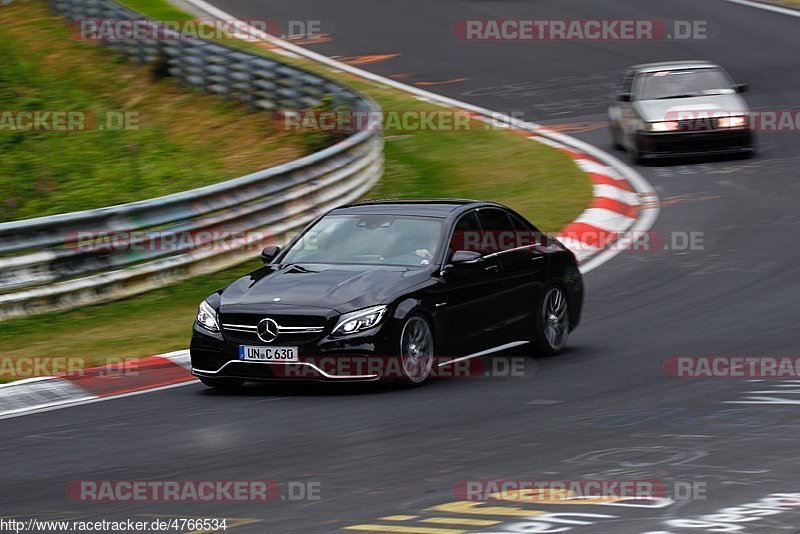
(427, 243)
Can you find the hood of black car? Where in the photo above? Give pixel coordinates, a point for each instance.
(339, 287)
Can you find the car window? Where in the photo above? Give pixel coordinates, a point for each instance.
(466, 234)
(527, 234)
(368, 239)
(520, 225)
(683, 83)
(499, 232)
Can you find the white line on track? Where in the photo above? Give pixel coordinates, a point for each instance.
(767, 7)
(92, 400)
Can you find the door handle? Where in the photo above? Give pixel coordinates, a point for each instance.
(491, 269)
(537, 258)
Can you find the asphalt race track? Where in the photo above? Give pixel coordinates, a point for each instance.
(605, 409)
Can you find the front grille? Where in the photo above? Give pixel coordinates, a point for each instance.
(293, 329)
(252, 319)
(698, 125)
(720, 140)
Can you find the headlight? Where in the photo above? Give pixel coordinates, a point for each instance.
(663, 126)
(735, 121)
(207, 317)
(359, 320)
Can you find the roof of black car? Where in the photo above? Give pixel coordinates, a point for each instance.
(440, 207)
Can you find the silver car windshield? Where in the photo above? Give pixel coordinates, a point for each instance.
(368, 239)
(684, 83)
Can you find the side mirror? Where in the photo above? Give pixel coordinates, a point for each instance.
(269, 253)
(461, 257)
(465, 256)
(742, 87)
(624, 97)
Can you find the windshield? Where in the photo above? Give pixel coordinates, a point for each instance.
(373, 239)
(683, 84)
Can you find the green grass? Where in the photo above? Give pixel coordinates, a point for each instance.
(156, 9)
(175, 146)
(539, 182)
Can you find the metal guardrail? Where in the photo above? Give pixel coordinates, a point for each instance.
(44, 266)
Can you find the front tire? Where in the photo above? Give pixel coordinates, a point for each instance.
(615, 138)
(416, 351)
(222, 383)
(636, 153)
(552, 321)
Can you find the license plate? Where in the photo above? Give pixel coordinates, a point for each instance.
(267, 354)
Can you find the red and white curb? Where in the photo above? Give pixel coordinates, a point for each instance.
(614, 209)
(41, 394)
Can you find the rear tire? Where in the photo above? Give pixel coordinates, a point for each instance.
(552, 321)
(222, 383)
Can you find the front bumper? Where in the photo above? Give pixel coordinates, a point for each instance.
(681, 144)
(358, 357)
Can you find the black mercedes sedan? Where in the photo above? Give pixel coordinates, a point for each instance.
(397, 290)
(680, 108)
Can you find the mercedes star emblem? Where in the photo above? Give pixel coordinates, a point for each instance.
(267, 330)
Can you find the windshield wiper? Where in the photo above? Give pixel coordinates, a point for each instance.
(685, 95)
